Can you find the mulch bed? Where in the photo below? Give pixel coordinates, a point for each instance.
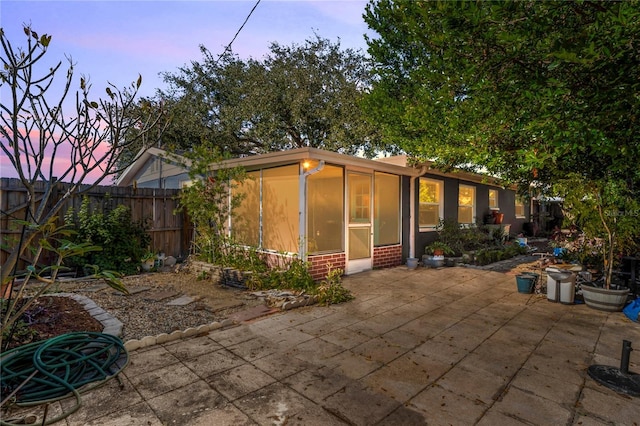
(50, 316)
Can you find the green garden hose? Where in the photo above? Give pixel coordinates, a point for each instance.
(66, 365)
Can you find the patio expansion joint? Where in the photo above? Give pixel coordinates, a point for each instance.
(504, 389)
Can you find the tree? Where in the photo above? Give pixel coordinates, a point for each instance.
(37, 137)
(528, 91)
(298, 96)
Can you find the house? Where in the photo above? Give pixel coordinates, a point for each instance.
(155, 168)
(352, 213)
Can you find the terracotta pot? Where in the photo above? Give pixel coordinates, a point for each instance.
(499, 217)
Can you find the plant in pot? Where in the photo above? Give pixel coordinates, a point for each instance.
(605, 210)
(148, 261)
(434, 253)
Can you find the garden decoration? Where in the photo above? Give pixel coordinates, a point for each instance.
(57, 368)
(620, 380)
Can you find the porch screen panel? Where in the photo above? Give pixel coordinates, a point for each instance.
(325, 210)
(359, 243)
(386, 203)
(245, 219)
(280, 220)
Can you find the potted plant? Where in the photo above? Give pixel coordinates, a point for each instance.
(148, 261)
(434, 254)
(604, 209)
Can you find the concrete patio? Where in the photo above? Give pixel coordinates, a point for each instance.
(449, 346)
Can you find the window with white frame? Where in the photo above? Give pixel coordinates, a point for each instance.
(519, 208)
(493, 199)
(466, 204)
(431, 200)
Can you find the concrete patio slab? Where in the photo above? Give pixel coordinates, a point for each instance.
(447, 346)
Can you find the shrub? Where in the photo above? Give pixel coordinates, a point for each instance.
(331, 291)
(123, 241)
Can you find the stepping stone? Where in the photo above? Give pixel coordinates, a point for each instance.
(160, 295)
(134, 290)
(181, 301)
(94, 288)
(251, 313)
(221, 306)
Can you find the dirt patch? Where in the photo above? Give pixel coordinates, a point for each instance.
(51, 316)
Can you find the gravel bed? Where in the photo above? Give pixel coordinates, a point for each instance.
(141, 317)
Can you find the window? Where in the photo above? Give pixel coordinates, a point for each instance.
(359, 198)
(520, 208)
(493, 199)
(431, 202)
(466, 204)
(325, 212)
(386, 204)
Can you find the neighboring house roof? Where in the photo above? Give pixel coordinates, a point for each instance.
(398, 164)
(131, 173)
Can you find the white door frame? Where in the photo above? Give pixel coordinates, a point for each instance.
(364, 226)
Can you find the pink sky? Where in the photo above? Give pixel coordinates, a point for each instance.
(115, 41)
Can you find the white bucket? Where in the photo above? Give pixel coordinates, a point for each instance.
(565, 291)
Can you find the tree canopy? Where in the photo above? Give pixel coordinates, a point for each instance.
(297, 96)
(527, 90)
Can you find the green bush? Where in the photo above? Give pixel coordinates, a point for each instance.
(331, 291)
(489, 255)
(123, 241)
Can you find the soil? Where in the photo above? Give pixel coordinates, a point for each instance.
(50, 316)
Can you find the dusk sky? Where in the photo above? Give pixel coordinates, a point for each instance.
(117, 40)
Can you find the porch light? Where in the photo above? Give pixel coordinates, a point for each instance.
(306, 164)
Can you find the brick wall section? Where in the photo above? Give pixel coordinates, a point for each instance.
(319, 264)
(387, 256)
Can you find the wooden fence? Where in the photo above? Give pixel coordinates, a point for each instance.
(170, 231)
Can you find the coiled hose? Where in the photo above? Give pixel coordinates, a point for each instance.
(48, 371)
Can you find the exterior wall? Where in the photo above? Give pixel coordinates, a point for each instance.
(158, 173)
(506, 203)
(319, 264)
(383, 257)
(387, 256)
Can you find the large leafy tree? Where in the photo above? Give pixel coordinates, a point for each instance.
(527, 90)
(297, 96)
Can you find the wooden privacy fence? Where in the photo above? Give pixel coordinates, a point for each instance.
(170, 231)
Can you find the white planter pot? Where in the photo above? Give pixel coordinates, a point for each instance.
(604, 299)
(433, 261)
(412, 262)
